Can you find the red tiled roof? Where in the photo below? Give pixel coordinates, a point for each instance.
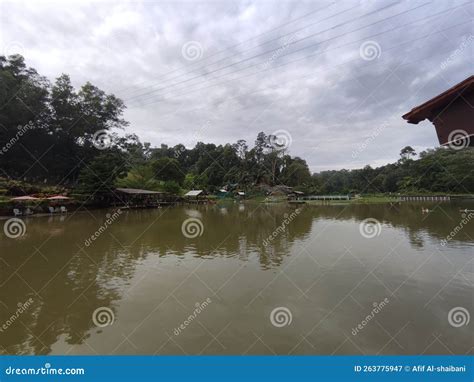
(419, 113)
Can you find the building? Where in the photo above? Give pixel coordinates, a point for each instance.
(196, 196)
(451, 112)
(138, 198)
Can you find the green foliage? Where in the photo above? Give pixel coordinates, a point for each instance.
(171, 187)
(97, 179)
(63, 122)
(60, 149)
(441, 170)
(167, 169)
(140, 176)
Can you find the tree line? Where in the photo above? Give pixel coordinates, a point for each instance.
(49, 135)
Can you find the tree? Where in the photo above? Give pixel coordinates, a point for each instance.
(97, 179)
(407, 153)
(168, 169)
(140, 176)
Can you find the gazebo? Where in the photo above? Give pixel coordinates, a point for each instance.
(138, 198)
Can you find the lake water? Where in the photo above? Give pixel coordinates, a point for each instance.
(326, 282)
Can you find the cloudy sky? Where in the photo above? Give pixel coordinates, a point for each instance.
(332, 77)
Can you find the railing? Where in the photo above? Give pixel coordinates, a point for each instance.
(327, 197)
(421, 198)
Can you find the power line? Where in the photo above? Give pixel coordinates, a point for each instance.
(307, 47)
(316, 54)
(341, 64)
(252, 48)
(273, 50)
(236, 45)
(375, 62)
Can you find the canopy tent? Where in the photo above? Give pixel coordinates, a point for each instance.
(58, 197)
(24, 198)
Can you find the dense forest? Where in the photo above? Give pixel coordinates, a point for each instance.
(53, 134)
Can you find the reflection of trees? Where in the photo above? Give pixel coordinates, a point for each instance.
(437, 224)
(72, 283)
(228, 231)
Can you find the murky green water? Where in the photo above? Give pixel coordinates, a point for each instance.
(163, 293)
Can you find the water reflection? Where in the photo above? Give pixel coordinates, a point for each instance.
(144, 255)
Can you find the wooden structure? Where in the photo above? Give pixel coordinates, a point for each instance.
(196, 196)
(452, 114)
(138, 198)
(296, 195)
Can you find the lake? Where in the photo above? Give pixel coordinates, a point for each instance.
(240, 279)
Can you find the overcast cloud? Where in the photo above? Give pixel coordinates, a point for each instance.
(341, 100)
